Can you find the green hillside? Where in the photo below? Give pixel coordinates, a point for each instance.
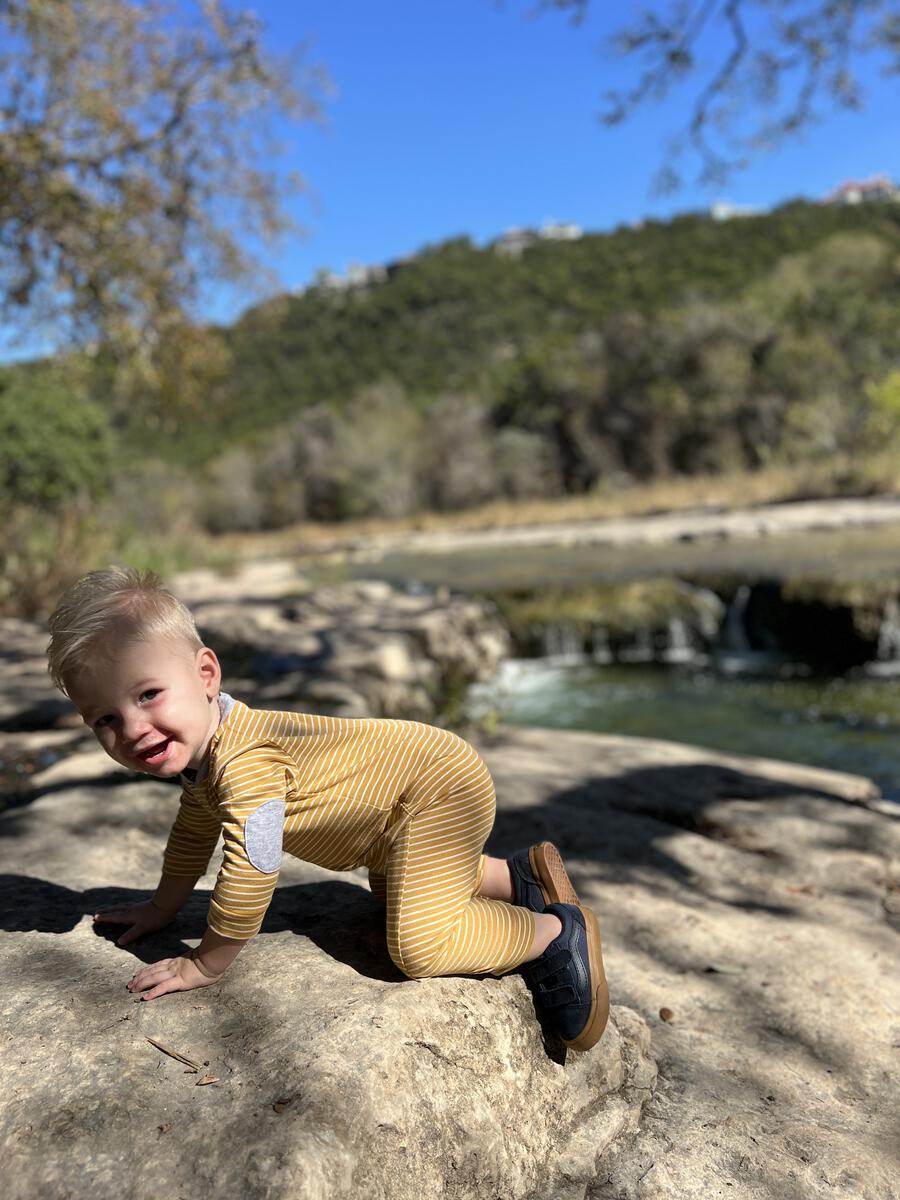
(468, 376)
(445, 319)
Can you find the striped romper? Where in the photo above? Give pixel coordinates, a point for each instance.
(411, 802)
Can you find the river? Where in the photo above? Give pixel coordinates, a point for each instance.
(846, 724)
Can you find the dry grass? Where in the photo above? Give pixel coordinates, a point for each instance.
(839, 477)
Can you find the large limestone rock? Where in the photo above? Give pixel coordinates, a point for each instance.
(355, 649)
(351, 649)
(751, 911)
(750, 917)
(335, 1076)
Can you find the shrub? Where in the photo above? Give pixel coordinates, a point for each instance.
(55, 445)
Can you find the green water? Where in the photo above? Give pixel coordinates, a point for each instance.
(844, 724)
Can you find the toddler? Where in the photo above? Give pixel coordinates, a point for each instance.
(411, 802)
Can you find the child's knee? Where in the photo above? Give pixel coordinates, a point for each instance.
(416, 962)
(378, 887)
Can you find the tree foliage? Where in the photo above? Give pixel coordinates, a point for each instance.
(675, 349)
(678, 348)
(764, 71)
(55, 445)
(463, 320)
(136, 156)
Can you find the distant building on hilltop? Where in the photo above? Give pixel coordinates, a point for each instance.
(358, 277)
(514, 242)
(560, 231)
(328, 281)
(865, 191)
(724, 210)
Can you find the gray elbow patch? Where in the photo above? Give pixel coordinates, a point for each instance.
(263, 835)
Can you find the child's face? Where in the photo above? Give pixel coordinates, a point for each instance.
(153, 708)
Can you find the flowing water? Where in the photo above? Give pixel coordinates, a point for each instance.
(846, 724)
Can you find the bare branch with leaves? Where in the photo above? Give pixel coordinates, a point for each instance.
(766, 70)
(136, 161)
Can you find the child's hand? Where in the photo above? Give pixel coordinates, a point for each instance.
(141, 919)
(170, 975)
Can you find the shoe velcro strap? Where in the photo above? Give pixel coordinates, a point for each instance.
(553, 997)
(549, 964)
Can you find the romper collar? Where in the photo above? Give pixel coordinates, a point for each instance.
(194, 776)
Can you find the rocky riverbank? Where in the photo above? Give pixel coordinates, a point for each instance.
(823, 626)
(815, 583)
(362, 649)
(750, 916)
(658, 529)
(750, 912)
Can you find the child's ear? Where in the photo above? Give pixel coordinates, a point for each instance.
(210, 671)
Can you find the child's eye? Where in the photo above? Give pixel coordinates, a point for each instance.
(149, 694)
(102, 721)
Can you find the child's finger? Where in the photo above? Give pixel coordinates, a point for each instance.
(147, 976)
(118, 915)
(152, 975)
(130, 935)
(172, 984)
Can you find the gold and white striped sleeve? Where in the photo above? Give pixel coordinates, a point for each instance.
(252, 793)
(192, 839)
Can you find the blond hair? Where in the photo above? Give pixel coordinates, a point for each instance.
(104, 608)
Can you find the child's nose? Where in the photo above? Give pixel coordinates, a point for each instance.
(134, 726)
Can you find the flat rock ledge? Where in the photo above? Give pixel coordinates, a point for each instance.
(764, 520)
(750, 912)
(334, 1075)
(328, 1083)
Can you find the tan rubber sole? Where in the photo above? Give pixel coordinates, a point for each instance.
(547, 865)
(599, 1014)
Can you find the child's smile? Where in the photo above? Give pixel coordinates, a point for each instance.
(152, 708)
(157, 754)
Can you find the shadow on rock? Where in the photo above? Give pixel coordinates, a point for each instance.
(30, 904)
(21, 798)
(757, 841)
(343, 920)
(622, 822)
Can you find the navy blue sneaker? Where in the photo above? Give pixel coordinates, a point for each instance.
(567, 981)
(539, 878)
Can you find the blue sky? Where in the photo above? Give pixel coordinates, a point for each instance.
(471, 116)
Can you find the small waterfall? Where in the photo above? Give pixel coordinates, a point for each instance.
(887, 653)
(678, 648)
(640, 650)
(600, 650)
(734, 629)
(889, 634)
(734, 654)
(563, 642)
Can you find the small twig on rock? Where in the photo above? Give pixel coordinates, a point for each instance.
(174, 1054)
(647, 1172)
